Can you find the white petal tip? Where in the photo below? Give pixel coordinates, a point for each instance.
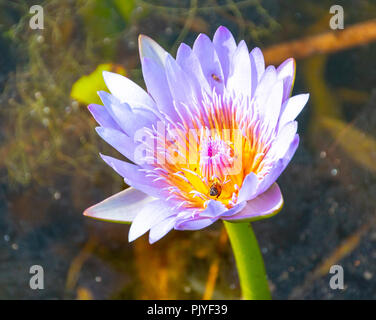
(148, 48)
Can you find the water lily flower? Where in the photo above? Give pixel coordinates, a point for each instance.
(207, 140)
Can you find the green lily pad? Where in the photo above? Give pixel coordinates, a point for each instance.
(85, 89)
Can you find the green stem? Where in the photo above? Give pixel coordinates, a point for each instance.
(251, 270)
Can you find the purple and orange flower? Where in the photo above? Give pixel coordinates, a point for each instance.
(207, 141)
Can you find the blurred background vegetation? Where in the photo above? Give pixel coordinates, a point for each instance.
(50, 170)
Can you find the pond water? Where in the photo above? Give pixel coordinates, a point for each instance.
(50, 169)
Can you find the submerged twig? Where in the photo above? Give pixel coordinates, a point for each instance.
(336, 40)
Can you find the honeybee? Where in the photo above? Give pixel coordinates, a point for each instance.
(215, 189)
(216, 78)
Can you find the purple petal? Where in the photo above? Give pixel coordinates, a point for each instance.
(210, 64)
(149, 215)
(225, 46)
(115, 108)
(258, 63)
(285, 136)
(240, 77)
(121, 207)
(265, 205)
(264, 87)
(278, 167)
(189, 62)
(129, 119)
(286, 71)
(194, 224)
(213, 209)
(160, 229)
(292, 108)
(179, 83)
(120, 112)
(157, 84)
(248, 188)
(234, 210)
(136, 178)
(127, 91)
(103, 117)
(273, 103)
(120, 141)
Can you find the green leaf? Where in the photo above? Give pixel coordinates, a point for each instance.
(85, 89)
